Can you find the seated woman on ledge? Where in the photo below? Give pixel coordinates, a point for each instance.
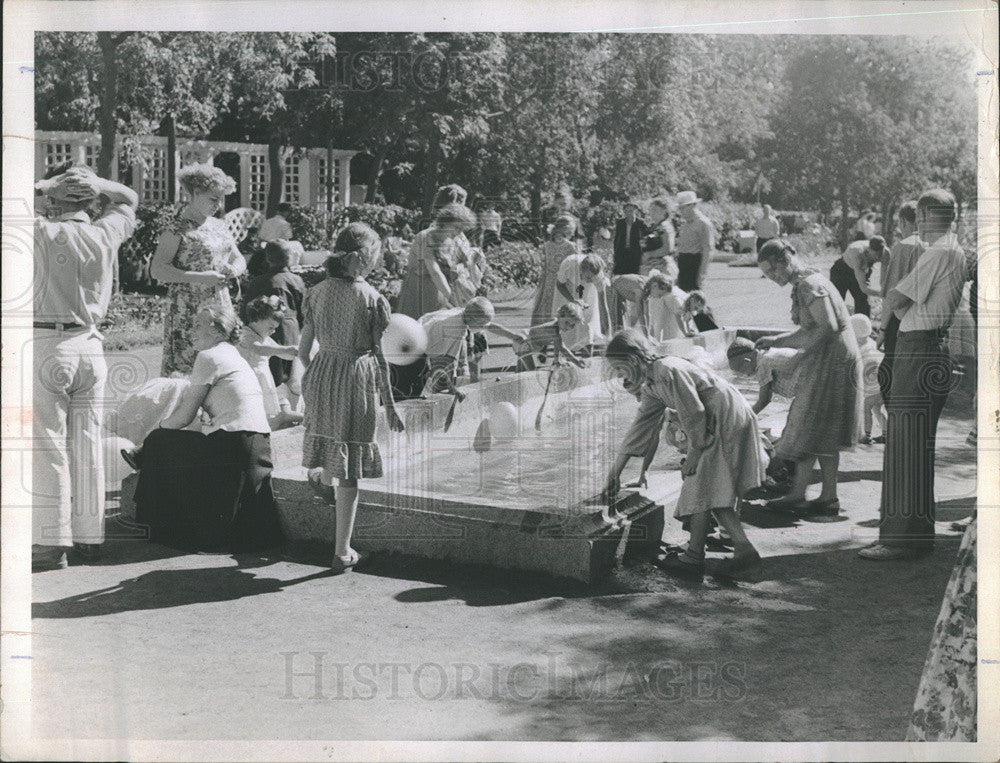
(211, 490)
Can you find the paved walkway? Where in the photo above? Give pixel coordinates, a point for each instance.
(153, 644)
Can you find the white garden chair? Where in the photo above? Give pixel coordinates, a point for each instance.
(241, 220)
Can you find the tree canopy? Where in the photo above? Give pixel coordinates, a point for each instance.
(832, 123)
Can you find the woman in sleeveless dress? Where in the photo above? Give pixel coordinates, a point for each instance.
(195, 256)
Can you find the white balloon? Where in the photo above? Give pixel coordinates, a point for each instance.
(115, 468)
(504, 420)
(404, 340)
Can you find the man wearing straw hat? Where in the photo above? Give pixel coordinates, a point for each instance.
(695, 242)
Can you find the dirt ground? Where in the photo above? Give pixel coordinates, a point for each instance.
(152, 644)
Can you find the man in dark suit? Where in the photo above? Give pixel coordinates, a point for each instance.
(629, 232)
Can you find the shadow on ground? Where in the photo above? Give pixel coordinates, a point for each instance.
(819, 646)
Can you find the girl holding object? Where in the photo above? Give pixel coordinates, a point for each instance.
(566, 333)
(581, 279)
(342, 383)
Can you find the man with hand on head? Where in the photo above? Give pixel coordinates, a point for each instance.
(75, 261)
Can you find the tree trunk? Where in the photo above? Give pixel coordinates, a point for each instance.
(431, 174)
(889, 207)
(277, 168)
(843, 235)
(109, 105)
(375, 173)
(171, 128)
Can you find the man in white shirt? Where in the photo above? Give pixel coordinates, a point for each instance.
(927, 297)
(74, 269)
(277, 227)
(490, 223)
(896, 265)
(766, 227)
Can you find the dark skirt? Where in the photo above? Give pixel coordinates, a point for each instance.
(208, 492)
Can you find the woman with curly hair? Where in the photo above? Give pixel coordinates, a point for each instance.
(196, 256)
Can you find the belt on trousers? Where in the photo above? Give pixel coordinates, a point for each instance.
(58, 326)
(923, 334)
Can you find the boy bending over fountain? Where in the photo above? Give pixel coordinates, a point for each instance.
(725, 458)
(447, 333)
(567, 332)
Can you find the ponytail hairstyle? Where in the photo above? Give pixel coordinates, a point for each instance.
(225, 321)
(359, 240)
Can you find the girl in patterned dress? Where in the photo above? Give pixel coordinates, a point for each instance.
(343, 381)
(724, 459)
(553, 253)
(196, 256)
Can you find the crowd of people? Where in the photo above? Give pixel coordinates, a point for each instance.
(205, 462)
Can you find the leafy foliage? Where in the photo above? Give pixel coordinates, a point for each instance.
(136, 254)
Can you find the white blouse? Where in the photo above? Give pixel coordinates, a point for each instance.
(234, 399)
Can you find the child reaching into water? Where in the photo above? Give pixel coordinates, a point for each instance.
(872, 359)
(566, 333)
(662, 308)
(344, 380)
(447, 333)
(697, 314)
(725, 458)
(773, 368)
(264, 316)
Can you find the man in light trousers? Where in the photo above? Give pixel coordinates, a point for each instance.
(74, 272)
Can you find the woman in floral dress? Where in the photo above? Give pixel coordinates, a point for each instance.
(554, 252)
(196, 256)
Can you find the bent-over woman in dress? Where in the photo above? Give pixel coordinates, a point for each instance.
(725, 458)
(826, 412)
(343, 381)
(211, 490)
